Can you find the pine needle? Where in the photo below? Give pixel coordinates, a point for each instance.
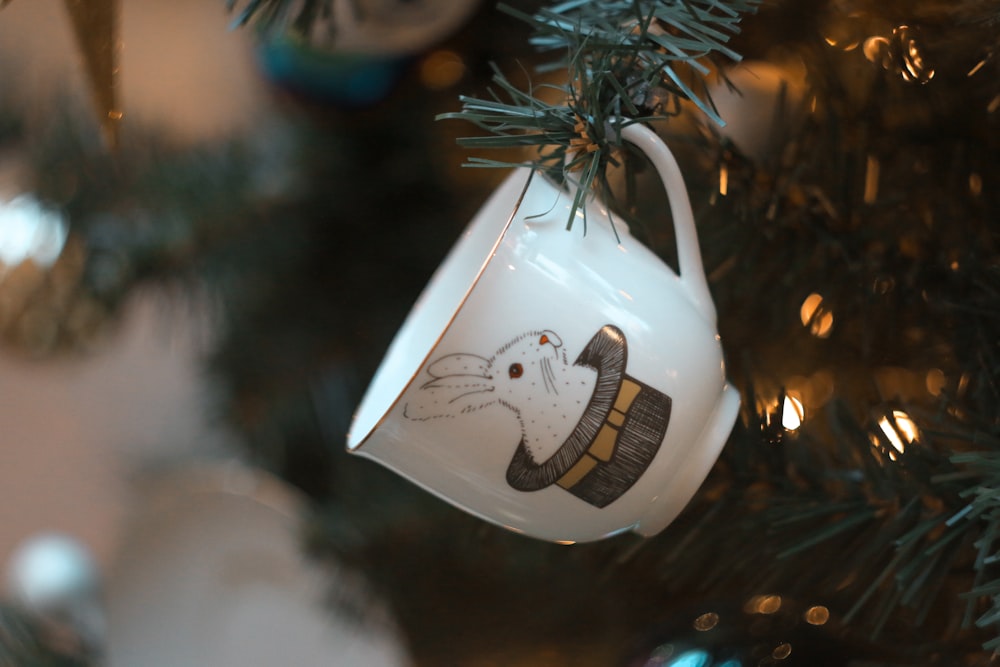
(613, 77)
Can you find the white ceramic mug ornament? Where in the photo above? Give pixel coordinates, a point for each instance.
(568, 385)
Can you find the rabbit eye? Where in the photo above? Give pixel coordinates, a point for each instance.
(515, 370)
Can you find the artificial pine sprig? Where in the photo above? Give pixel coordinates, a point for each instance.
(625, 62)
(663, 40)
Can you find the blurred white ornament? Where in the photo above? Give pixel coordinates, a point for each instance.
(30, 230)
(52, 572)
(213, 572)
(762, 106)
(55, 578)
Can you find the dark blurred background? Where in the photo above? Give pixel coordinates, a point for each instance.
(188, 322)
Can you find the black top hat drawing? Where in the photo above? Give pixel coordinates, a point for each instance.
(612, 444)
(615, 440)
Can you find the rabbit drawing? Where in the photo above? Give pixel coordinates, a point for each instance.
(529, 375)
(587, 426)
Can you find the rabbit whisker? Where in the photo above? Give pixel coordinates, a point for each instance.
(548, 376)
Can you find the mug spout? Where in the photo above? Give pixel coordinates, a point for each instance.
(697, 465)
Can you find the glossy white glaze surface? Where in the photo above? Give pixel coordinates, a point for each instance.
(498, 364)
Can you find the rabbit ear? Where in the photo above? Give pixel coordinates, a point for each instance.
(550, 337)
(460, 383)
(459, 364)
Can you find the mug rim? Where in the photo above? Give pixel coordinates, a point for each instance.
(490, 255)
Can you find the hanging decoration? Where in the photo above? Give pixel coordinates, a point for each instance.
(613, 76)
(608, 421)
(859, 263)
(632, 472)
(96, 26)
(81, 226)
(53, 577)
(347, 53)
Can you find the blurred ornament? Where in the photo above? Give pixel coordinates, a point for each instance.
(401, 27)
(96, 29)
(44, 302)
(396, 27)
(218, 546)
(354, 54)
(53, 577)
(29, 231)
(759, 102)
(342, 79)
(95, 24)
(51, 571)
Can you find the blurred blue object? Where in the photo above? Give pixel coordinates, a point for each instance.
(344, 79)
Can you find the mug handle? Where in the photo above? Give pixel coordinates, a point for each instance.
(692, 273)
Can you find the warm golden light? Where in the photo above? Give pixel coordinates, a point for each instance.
(763, 604)
(817, 615)
(723, 180)
(809, 307)
(875, 48)
(815, 316)
(844, 33)
(935, 381)
(905, 425)
(975, 184)
(441, 69)
(901, 53)
(706, 621)
(792, 413)
(914, 68)
(871, 179)
(899, 430)
(781, 651)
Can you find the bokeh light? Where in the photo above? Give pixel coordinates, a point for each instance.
(815, 316)
(441, 69)
(763, 604)
(706, 622)
(817, 615)
(792, 413)
(899, 430)
(30, 231)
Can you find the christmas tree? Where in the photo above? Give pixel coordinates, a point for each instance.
(841, 162)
